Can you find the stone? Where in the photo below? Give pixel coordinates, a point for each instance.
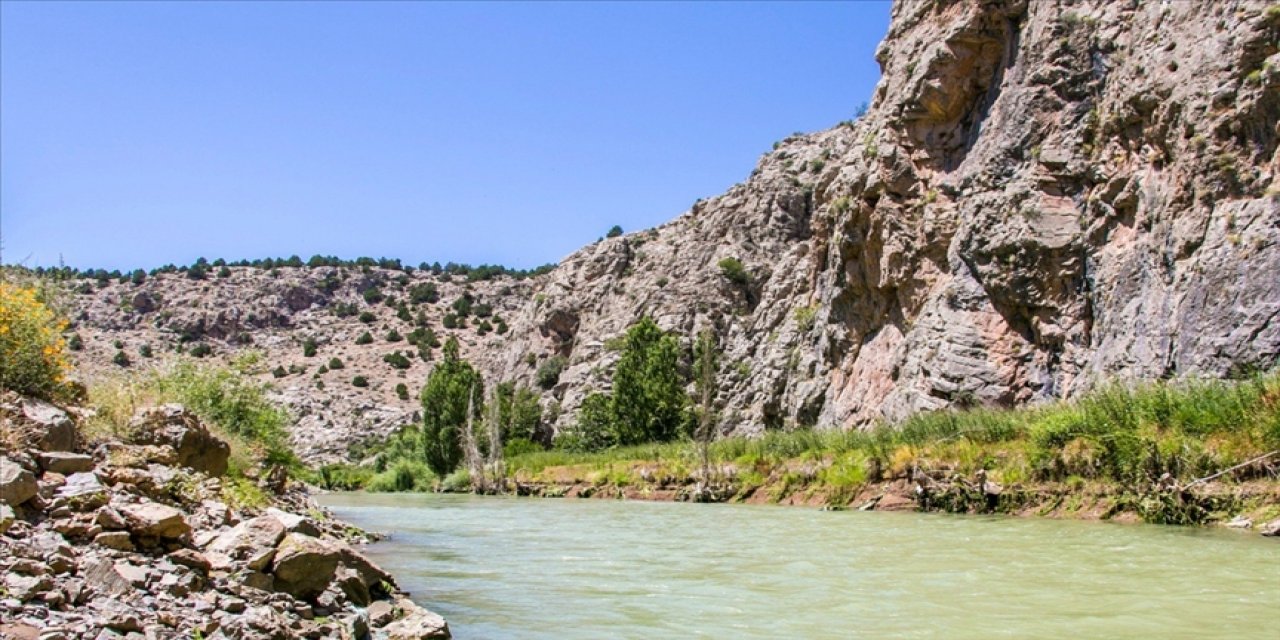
(304, 566)
(1240, 522)
(175, 426)
(64, 462)
(294, 523)
(7, 517)
(17, 485)
(1271, 529)
(110, 519)
(101, 575)
(190, 558)
(252, 542)
(152, 519)
(25, 587)
(119, 540)
(381, 613)
(83, 487)
(416, 624)
(53, 429)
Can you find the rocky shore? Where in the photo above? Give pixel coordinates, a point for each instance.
(147, 536)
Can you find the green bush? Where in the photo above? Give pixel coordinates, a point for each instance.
(403, 475)
(278, 372)
(360, 381)
(145, 351)
(397, 360)
(372, 295)
(364, 338)
(120, 359)
(614, 231)
(309, 347)
(733, 271)
(424, 293)
(367, 317)
(394, 336)
(335, 364)
(201, 350)
(402, 391)
(75, 342)
(549, 372)
(450, 321)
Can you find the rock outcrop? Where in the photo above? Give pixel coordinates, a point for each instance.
(134, 541)
(1041, 196)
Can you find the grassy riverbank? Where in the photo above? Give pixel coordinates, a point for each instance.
(1117, 452)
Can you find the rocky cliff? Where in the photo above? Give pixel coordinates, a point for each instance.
(1042, 195)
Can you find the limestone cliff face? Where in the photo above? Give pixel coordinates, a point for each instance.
(1042, 195)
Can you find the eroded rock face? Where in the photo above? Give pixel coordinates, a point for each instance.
(1042, 195)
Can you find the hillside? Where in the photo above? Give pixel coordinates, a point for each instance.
(1040, 197)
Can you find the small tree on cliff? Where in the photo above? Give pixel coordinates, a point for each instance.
(445, 406)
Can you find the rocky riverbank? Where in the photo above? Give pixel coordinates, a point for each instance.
(147, 536)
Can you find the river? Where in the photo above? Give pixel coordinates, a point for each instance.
(501, 568)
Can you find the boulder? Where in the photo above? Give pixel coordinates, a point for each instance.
(294, 523)
(1271, 529)
(64, 462)
(416, 624)
(17, 485)
(48, 427)
(175, 426)
(7, 517)
(81, 486)
(119, 540)
(304, 566)
(191, 559)
(150, 519)
(252, 542)
(381, 613)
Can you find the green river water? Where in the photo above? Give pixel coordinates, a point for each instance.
(501, 568)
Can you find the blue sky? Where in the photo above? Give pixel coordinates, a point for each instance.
(138, 134)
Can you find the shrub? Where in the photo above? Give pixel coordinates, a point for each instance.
(145, 351)
(119, 344)
(201, 350)
(372, 295)
(396, 360)
(450, 321)
(425, 292)
(649, 398)
(394, 336)
(367, 317)
(733, 271)
(614, 231)
(309, 347)
(462, 306)
(360, 381)
(483, 327)
(120, 359)
(364, 338)
(549, 372)
(403, 475)
(75, 342)
(224, 272)
(335, 364)
(482, 310)
(279, 372)
(322, 370)
(402, 312)
(501, 327)
(402, 391)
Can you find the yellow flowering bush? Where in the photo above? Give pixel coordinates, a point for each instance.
(32, 350)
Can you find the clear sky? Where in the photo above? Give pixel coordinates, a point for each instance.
(138, 134)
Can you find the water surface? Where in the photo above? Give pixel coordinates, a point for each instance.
(567, 569)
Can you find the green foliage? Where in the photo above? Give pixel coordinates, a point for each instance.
(224, 272)
(201, 350)
(733, 270)
(360, 381)
(397, 360)
(450, 389)
(402, 312)
(614, 232)
(75, 342)
(233, 402)
(343, 477)
(367, 317)
(120, 359)
(550, 370)
(145, 351)
(462, 306)
(648, 400)
(278, 372)
(335, 363)
(519, 412)
(450, 321)
(402, 391)
(309, 347)
(364, 338)
(483, 327)
(403, 475)
(394, 336)
(372, 295)
(424, 293)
